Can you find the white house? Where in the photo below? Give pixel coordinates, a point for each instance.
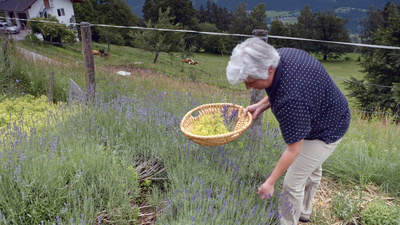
(18, 11)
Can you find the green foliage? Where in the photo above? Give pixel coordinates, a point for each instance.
(256, 19)
(278, 29)
(377, 212)
(8, 82)
(182, 12)
(239, 20)
(363, 157)
(111, 36)
(66, 177)
(112, 12)
(216, 15)
(53, 31)
(159, 41)
(212, 43)
(329, 27)
(377, 90)
(27, 110)
(345, 206)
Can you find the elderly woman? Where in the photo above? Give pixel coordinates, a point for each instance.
(312, 112)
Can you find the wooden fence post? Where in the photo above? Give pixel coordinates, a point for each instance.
(88, 60)
(257, 95)
(51, 86)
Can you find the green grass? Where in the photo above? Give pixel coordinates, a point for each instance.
(211, 68)
(273, 14)
(341, 70)
(138, 118)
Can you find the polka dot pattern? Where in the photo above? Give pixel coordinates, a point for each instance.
(305, 100)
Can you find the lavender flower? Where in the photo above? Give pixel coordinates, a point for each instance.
(230, 116)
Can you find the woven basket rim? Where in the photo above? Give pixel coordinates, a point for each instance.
(242, 129)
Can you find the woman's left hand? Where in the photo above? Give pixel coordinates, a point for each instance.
(266, 190)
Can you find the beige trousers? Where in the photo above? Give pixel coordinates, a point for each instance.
(303, 177)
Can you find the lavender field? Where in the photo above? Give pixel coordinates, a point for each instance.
(123, 160)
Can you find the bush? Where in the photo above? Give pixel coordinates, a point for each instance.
(379, 213)
(53, 31)
(345, 207)
(27, 109)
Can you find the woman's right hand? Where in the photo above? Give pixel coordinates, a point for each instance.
(256, 109)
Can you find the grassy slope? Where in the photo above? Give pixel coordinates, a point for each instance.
(211, 70)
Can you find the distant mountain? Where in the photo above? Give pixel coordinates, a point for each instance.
(353, 10)
(136, 6)
(278, 5)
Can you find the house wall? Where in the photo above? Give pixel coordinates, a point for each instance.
(35, 9)
(38, 6)
(62, 4)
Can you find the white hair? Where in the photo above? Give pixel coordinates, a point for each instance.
(251, 58)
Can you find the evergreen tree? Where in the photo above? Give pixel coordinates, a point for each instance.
(330, 27)
(239, 20)
(278, 29)
(305, 28)
(202, 15)
(371, 23)
(380, 88)
(256, 19)
(182, 10)
(213, 14)
(224, 19)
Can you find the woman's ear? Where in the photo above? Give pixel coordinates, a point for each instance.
(271, 71)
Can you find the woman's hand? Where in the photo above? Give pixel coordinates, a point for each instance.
(257, 109)
(266, 190)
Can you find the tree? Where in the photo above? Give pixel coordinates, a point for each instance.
(380, 88)
(239, 20)
(159, 41)
(278, 29)
(110, 35)
(182, 11)
(55, 32)
(256, 19)
(214, 44)
(112, 12)
(202, 15)
(213, 14)
(330, 27)
(305, 28)
(371, 23)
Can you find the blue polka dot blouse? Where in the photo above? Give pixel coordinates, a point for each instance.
(305, 100)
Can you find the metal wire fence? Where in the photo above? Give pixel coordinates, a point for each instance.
(210, 69)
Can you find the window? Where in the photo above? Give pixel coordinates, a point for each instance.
(60, 12)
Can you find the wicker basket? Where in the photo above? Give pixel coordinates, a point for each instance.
(242, 124)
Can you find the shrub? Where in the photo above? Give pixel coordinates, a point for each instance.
(26, 108)
(53, 31)
(379, 213)
(345, 207)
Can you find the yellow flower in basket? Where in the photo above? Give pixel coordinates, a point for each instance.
(216, 124)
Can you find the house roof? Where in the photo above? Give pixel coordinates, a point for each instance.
(16, 5)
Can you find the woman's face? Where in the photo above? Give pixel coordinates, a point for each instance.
(260, 83)
(256, 83)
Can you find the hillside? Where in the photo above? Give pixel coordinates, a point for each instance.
(354, 10)
(279, 5)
